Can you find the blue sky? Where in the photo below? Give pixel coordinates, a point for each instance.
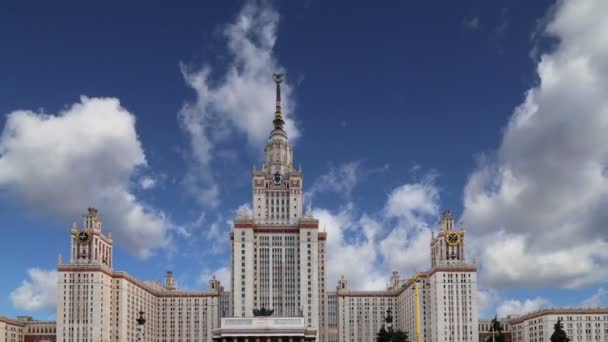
(156, 114)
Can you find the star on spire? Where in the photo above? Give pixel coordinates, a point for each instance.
(278, 116)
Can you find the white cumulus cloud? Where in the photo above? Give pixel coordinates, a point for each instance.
(472, 24)
(240, 100)
(84, 156)
(486, 302)
(147, 183)
(367, 247)
(222, 274)
(540, 201)
(520, 307)
(355, 259)
(415, 206)
(38, 293)
(597, 299)
(340, 179)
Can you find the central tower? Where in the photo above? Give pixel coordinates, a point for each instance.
(278, 254)
(277, 187)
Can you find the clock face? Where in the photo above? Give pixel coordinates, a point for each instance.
(452, 238)
(277, 178)
(83, 237)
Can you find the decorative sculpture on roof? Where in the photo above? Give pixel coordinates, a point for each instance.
(262, 312)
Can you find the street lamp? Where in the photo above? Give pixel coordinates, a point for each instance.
(416, 280)
(388, 320)
(140, 326)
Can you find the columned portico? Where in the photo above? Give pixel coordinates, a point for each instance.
(265, 339)
(264, 329)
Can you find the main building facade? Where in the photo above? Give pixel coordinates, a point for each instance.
(278, 262)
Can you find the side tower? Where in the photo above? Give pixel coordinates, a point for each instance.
(361, 314)
(84, 289)
(88, 244)
(278, 254)
(447, 248)
(453, 286)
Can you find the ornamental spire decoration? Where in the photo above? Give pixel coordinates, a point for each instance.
(278, 116)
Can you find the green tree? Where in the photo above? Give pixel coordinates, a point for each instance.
(400, 336)
(559, 335)
(496, 328)
(391, 336)
(383, 335)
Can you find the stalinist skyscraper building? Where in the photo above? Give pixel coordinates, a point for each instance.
(278, 254)
(278, 289)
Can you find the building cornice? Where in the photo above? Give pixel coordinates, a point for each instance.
(24, 323)
(360, 294)
(278, 228)
(407, 284)
(12, 321)
(138, 283)
(559, 311)
(453, 268)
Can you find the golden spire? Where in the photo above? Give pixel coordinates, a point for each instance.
(278, 116)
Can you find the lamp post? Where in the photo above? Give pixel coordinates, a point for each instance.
(389, 320)
(140, 326)
(416, 279)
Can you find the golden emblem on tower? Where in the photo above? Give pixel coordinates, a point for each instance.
(453, 238)
(278, 116)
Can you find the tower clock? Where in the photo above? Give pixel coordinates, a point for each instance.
(452, 238)
(83, 237)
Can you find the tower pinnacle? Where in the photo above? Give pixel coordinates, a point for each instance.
(278, 116)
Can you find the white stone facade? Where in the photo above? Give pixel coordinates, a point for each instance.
(11, 330)
(580, 324)
(362, 313)
(406, 306)
(439, 305)
(332, 316)
(26, 329)
(96, 303)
